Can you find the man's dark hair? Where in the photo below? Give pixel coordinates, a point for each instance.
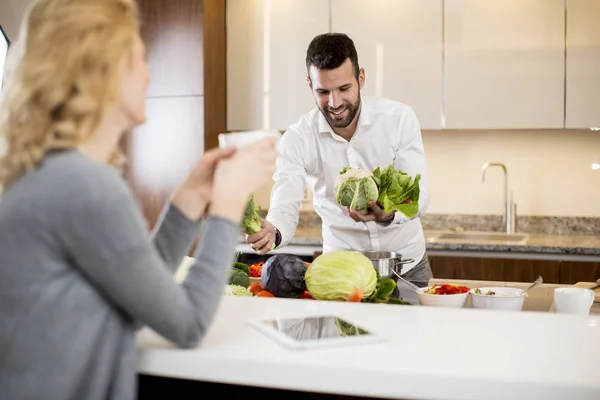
(331, 50)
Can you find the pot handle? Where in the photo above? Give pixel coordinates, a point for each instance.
(412, 285)
(400, 262)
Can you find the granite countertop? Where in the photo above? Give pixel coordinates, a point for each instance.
(534, 243)
(577, 236)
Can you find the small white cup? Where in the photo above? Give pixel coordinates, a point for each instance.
(573, 300)
(244, 138)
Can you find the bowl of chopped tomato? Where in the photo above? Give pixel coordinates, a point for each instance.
(451, 295)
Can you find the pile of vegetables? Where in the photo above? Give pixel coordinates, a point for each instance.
(334, 276)
(391, 189)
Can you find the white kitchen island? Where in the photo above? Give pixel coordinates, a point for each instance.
(430, 353)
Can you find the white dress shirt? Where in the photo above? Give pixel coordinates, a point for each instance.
(387, 133)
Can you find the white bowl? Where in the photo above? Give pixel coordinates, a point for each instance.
(441, 300)
(505, 298)
(244, 138)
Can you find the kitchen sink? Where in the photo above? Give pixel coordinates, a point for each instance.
(477, 237)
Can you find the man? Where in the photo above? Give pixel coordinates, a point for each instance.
(346, 129)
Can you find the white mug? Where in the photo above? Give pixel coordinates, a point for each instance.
(244, 138)
(573, 300)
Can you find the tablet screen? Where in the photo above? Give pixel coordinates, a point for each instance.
(315, 328)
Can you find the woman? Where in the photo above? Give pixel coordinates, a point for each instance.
(78, 273)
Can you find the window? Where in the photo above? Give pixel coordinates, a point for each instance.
(4, 43)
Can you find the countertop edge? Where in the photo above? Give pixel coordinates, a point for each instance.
(478, 247)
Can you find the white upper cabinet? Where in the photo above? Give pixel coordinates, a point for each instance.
(504, 64)
(399, 44)
(266, 71)
(583, 64)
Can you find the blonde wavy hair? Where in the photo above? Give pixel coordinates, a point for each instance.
(62, 73)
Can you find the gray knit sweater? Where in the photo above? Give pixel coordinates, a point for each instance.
(79, 273)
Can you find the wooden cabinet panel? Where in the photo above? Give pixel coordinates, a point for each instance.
(494, 269)
(572, 272)
(504, 64)
(173, 33)
(583, 64)
(161, 152)
(215, 72)
(399, 45)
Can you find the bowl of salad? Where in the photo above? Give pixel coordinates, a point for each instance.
(444, 295)
(498, 298)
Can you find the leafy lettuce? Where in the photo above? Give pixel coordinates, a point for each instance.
(396, 187)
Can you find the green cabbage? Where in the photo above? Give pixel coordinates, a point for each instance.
(338, 275)
(395, 187)
(354, 188)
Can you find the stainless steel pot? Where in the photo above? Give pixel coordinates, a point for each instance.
(388, 263)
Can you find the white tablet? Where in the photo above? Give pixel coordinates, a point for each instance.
(314, 331)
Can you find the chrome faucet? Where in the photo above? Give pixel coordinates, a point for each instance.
(510, 208)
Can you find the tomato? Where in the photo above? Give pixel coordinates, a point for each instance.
(264, 293)
(256, 270)
(255, 287)
(447, 288)
(306, 295)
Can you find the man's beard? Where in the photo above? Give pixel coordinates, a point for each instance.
(341, 123)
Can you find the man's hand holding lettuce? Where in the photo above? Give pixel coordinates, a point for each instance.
(397, 191)
(392, 190)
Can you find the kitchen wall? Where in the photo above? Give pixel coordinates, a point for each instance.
(549, 172)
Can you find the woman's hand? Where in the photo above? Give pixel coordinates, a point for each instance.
(195, 193)
(236, 178)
